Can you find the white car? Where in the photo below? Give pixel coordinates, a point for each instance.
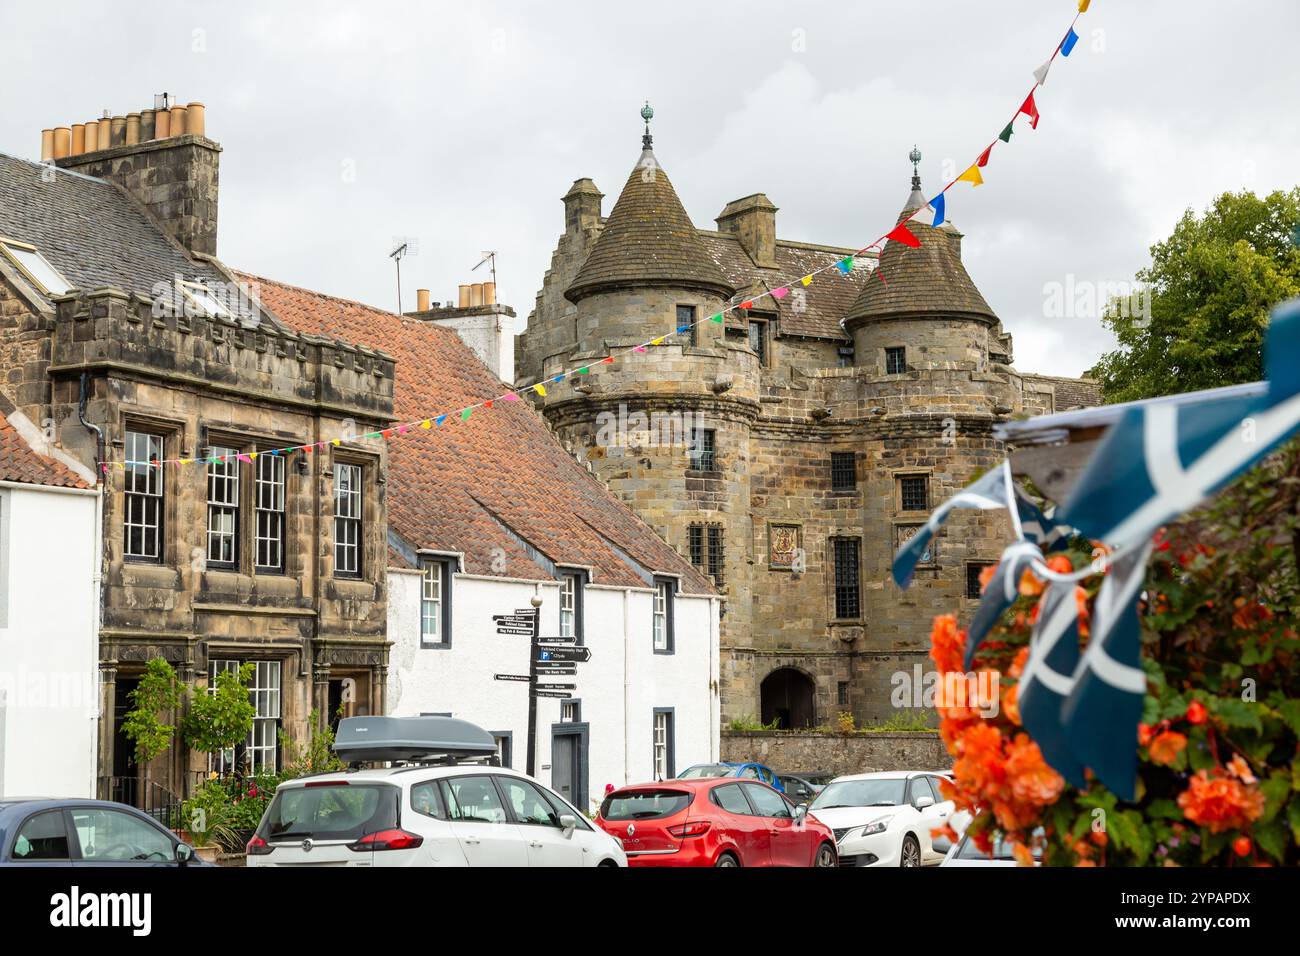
(424, 813)
(966, 853)
(884, 819)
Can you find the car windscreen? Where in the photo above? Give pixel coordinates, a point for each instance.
(1001, 849)
(330, 811)
(706, 770)
(880, 792)
(644, 804)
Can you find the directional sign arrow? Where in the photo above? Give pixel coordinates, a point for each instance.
(520, 677)
(526, 611)
(512, 618)
(564, 654)
(562, 641)
(553, 693)
(558, 670)
(555, 686)
(511, 629)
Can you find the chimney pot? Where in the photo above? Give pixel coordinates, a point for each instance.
(476, 294)
(78, 139)
(422, 300)
(117, 134)
(92, 136)
(62, 141)
(132, 129)
(489, 293)
(147, 125)
(178, 120)
(162, 124)
(195, 119)
(463, 299)
(47, 144)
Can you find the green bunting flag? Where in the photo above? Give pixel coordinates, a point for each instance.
(1006, 133)
(464, 416)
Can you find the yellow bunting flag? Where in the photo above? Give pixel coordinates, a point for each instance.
(658, 341)
(335, 443)
(1083, 5)
(540, 389)
(806, 280)
(972, 176)
(427, 423)
(253, 454)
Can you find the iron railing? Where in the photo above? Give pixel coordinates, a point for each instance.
(153, 798)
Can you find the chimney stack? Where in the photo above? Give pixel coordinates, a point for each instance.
(160, 155)
(753, 221)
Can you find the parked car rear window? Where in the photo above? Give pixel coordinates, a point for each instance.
(341, 811)
(644, 804)
(706, 770)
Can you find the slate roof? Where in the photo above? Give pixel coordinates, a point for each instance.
(825, 301)
(648, 239)
(89, 230)
(930, 279)
(20, 462)
(466, 486)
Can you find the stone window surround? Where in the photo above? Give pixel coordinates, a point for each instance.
(172, 433)
(898, 473)
(832, 578)
(369, 464)
(885, 351)
(246, 521)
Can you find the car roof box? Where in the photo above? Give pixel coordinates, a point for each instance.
(366, 739)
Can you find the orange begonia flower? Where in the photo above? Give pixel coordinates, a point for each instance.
(1220, 803)
(1167, 746)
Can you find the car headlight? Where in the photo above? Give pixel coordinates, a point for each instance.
(877, 826)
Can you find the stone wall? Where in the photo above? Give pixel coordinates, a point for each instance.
(837, 753)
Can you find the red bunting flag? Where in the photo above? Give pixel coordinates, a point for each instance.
(747, 305)
(901, 233)
(1030, 110)
(608, 360)
(984, 156)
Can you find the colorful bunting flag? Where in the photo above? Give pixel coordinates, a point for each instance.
(972, 175)
(937, 204)
(427, 424)
(1067, 45)
(1030, 109)
(806, 280)
(901, 233)
(1005, 135)
(713, 318)
(984, 156)
(1040, 74)
(510, 397)
(747, 305)
(779, 292)
(442, 418)
(845, 265)
(464, 416)
(1083, 5)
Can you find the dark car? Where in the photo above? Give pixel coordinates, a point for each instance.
(72, 832)
(802, 787)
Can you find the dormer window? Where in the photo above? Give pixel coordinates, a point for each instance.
(200, 300)
(35, 267)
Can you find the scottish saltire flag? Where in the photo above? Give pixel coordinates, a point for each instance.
(1165, 456)
(1000, 593)
(1048, 679)
(986, 494)
(1101, 714)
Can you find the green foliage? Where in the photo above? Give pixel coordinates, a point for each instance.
(317, 757)
(159, 693)
(1212, 284)
(750, 722)
(903, 722)
(221, 718)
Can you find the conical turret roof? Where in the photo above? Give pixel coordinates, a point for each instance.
(928, 279)
(648, 240)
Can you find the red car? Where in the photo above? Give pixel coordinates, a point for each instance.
(714, 822)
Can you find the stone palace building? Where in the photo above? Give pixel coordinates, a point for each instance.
(787, 451)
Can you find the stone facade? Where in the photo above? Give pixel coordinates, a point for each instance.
(784, 387)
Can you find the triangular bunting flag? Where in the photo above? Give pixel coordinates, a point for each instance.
(972, 175)
(747, 305)
(540, 389)
(1083, 5)
(1068, 43)
(806, 280)
(464, 416)
(845, 265)
(984, 156)
(1030, 109)
(440, 419)
(937, 204)
(510, 397)
(427, 424)
(901, 233)
(488, 403)
(779, 292)
(1040, 74)
(1005, 135)
(607, 360)
(713, 318)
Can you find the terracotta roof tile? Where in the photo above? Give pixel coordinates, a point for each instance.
(22, 463)
(459, 487)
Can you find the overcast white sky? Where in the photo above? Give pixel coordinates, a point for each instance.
(463, 123)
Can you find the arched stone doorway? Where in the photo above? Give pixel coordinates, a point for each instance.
(789, 697)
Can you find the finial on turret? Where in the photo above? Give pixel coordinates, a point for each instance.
(915, 157)
(647, 114)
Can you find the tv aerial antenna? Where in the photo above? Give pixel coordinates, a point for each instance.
(489, 257)
(396, 256)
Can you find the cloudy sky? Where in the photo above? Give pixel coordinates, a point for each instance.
(460, 125)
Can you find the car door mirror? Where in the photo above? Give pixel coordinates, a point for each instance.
(923, 802)
(568, 822)
(800, 812)
(184, 853)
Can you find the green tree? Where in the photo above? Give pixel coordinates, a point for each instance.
(1212, 284)
(159, 693)
(221, 719)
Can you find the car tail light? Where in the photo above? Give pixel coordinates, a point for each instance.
(326, 783)
(258, 847)
(387, 840)
(693, 829)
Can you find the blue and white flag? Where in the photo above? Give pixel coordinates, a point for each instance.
(1002, 590)
(1164, 457)
(1048, 679)
(1101, 714)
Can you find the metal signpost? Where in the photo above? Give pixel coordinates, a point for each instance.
(548, 658)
